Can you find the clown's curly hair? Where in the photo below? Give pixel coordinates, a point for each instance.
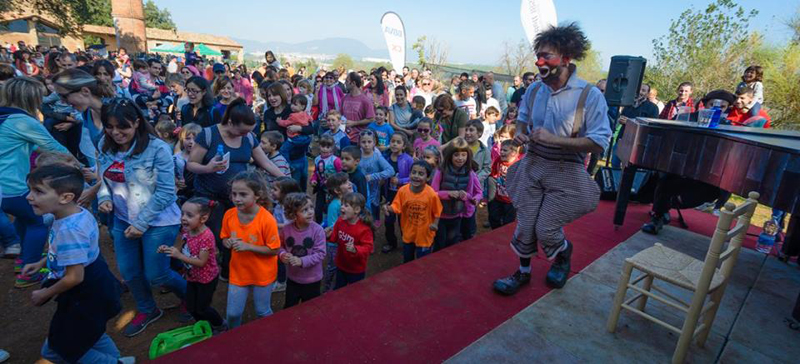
(568, 40)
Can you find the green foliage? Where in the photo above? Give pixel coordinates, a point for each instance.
(794, 26)
(707, 47)
(781, 83)
(419, 47)
(97, 12)
(59, 10)
(591, 68)
(343, 61)
(155, 17)
(71, 15)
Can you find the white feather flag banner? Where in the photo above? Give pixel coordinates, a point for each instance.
(395, 34)
(536, 16)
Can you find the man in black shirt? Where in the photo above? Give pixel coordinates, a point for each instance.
(527, 79)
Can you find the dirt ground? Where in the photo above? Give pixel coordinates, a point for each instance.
(24, 327)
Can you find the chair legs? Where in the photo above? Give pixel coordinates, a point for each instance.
(689, 325)
(648, 282)
(619, 298)
(708, 318)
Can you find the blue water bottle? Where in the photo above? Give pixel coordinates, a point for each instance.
(220, 153)
(717, 107)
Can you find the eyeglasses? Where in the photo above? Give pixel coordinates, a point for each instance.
(421, 130)
(366, 132)
(66, 95)
(193, 90)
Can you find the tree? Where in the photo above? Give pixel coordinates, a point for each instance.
(794, 26)
(155, 17)
(516, 60)
(590, 68)
(343, 61)
(71, 15)
(59, 10)
(712, 47)
(781, 82)
(430, 52)
(707, 47)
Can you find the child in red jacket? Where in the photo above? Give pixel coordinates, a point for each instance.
(353, 235)
(747, 112)
(298, 117)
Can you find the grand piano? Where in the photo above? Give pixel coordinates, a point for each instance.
(736, 159)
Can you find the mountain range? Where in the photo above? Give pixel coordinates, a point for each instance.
(329, 46)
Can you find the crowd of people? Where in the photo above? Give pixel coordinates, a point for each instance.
(278, 179)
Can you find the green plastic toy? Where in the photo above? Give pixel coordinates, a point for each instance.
(167, 342)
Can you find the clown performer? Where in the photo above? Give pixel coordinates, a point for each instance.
(561, 119)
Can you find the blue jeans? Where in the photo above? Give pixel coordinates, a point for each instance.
(410, 250)
(30, 227)
(469, 226)
(8, 234)
(449, 233)
(142, 267)
(103, 351)
(237, 299)
(344, 278)
(300, 172)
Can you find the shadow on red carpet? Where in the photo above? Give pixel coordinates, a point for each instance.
(424, 311)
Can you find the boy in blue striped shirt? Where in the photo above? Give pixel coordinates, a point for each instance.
(86, 292)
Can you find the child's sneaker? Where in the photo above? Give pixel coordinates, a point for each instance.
(216, 330)
(127, 360)
(17, 266)
(184, 316)
(279, 287)
(24, 281)
(140, 322)
(12, 251)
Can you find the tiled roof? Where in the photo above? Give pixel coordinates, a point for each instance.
(173, 36)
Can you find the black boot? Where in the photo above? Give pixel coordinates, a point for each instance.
(511, 284)
(655, 225)
(559, 271)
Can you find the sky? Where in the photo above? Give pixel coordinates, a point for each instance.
(474, 30)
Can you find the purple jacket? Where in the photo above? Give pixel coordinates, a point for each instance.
(404, 162)
(309, 246)
(474, 193)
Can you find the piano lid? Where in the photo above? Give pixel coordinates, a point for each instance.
(780, 139)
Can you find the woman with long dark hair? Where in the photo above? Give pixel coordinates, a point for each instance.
(201, 102)
(377, 89)
(138, 186)
(233, 136)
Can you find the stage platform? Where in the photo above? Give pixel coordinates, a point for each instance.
(569, 326)
(425, 311)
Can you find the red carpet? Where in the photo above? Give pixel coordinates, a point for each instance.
(424, 311)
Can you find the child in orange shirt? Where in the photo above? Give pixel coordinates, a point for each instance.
(251, 233)
(419, 208)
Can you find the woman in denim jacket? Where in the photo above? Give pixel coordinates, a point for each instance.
(138, 179)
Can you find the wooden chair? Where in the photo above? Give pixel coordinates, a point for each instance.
(700, 278)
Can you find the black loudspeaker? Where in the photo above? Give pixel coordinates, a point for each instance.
(624, 80)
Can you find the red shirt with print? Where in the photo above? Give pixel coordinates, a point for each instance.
(361, 236)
